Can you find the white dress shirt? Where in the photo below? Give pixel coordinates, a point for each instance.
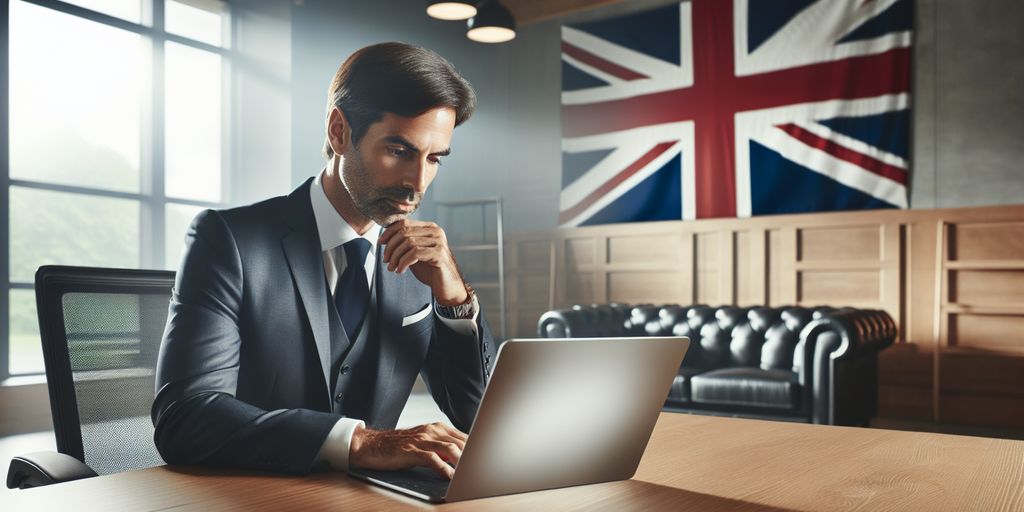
(334, 232)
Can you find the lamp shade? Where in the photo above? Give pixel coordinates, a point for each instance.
(492, 23)
(451, 9)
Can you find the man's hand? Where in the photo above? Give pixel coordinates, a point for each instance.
(423, 248)
(436, 446)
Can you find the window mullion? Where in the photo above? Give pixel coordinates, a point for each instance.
(154, 211)
(5, 199)
(230, 111)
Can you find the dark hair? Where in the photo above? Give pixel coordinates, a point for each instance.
(399, 78)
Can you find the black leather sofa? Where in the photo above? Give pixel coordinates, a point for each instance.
(814, 365)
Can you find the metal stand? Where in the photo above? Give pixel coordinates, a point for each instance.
(465, 241)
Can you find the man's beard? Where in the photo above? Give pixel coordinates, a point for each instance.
(373, 201)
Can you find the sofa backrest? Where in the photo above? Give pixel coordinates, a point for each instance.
(764, 337)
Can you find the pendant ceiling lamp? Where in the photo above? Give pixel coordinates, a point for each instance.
(451, 9)
(493, 23)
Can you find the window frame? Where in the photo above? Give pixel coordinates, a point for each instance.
(151, 196)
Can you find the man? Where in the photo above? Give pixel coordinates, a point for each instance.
(298, 324)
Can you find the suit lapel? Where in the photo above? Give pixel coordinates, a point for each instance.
(305, 261)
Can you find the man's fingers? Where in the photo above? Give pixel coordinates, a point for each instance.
(414, 237)
(426, 253)
(409, 259)
(449, 451)
(392, 244)
(434, 461)
(407, 228)
(394, 251)
(441, 428)
(411, 252)
(461, 443)
(391, 230)
(454, 432)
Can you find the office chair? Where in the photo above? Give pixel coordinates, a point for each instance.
(101, 331)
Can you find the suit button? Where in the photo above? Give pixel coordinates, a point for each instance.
(338, 398)
(345, 369)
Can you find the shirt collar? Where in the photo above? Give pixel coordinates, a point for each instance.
(333, 229)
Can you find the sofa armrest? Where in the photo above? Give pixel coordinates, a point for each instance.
(554, 324)
(45, 468)
(843, 335)
(858, 331)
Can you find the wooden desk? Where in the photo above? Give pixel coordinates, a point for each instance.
(692, 463)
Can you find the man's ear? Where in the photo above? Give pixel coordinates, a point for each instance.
(339, 133)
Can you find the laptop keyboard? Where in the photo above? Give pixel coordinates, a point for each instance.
(422, 480)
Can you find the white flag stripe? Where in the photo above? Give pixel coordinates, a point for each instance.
(840, 170)
(812, 36)
(752, 124)
(620, 55)
(689, 182)
(664, 76)
(624, 187)
(628, 145)
(857, 145)
(825, 109)
(597, 175)
(587, 68)
(640, 136)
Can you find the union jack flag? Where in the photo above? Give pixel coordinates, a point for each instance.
(725, 108)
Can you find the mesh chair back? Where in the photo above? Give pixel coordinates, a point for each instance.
(101, 331)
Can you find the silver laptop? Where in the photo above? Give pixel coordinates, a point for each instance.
(556, 413)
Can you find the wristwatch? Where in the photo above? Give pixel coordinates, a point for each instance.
(459, 311)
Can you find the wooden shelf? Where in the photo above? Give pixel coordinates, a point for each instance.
(477, 247)
(839, 265)
(965, 309)
(984, 265)
(975, 351)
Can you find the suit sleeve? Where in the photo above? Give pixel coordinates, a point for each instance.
(197, 417)
(457, 368)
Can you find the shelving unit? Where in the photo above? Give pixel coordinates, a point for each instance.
(476, 235)
(1004, 309)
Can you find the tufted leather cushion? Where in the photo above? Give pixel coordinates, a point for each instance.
(747, 387)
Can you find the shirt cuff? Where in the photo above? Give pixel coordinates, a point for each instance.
(463, 326)
(336, 446)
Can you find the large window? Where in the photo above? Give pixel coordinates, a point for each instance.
(117, 136)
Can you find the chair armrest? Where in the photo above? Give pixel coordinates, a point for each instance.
(45, 468)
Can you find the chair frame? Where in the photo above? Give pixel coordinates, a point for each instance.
(52, 282)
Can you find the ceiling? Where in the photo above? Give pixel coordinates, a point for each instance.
(529, 11)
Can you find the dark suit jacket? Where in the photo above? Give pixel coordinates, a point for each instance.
(242, 374)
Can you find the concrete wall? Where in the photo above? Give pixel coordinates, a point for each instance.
(968, 104)
(261, 92)
(968, 101)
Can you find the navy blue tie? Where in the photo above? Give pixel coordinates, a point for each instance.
(352, 296)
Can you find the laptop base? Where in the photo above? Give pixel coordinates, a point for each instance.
(419, 482)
